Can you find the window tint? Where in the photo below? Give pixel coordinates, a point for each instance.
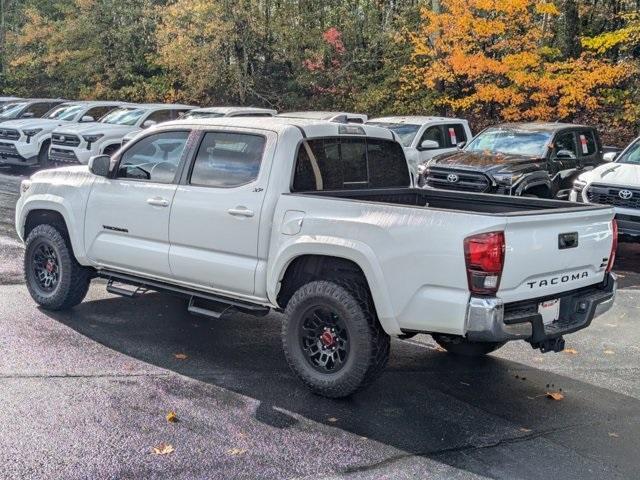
(433, 133)
(347, 163)
(160, 116)
(227, 159)
(455, 134)
(253, 115)
(98, 112)
(566, 143)
(587, 143)
(154, 158)
(38, 109)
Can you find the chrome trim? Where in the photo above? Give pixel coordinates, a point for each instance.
(485, 322)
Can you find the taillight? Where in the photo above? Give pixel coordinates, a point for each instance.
(614, 245)
(484, 255)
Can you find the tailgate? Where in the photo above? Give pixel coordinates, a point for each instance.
(536, 265)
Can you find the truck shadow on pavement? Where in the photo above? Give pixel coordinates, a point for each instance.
(487, 416)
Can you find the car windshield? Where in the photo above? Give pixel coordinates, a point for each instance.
(632, 155)
(11, 110)
(196, 114)
(66, 113)
(511, 141)
(124, 116)
(406, 132)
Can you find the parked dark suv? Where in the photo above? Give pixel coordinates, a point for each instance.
(529, 159)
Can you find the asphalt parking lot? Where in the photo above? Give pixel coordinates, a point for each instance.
(85, 394)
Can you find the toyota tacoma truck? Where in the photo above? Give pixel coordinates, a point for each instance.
(77, 143)
(317, 220)
(425, 137)
(25, 142)
(618, 184)
(520, 159)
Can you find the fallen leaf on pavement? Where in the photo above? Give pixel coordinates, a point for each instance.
(571, 351)
(172, 417)
(609, 352)
(163, 449)
(613, 434)
(525, 430)
(332, 419)
(181, 356)
(236, 451)
(554, 395)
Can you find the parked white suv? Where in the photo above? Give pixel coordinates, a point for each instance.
(26, 142)
(77, 143)
(216, 112)
(425, 137)
(316, 219)
(618, 184)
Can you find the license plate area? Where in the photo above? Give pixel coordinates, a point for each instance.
(549, 310)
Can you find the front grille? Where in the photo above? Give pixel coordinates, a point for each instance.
(9, 150)
(65, 139)
(457, 180)
(60, 155)
(616, 196)
(9, 134)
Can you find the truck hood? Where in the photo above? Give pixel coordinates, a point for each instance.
(78, 173)
(94, 128)
(620, 174)
(487, 162)
(43, 123)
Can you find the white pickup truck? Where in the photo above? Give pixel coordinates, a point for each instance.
(316, 219)
(425, 137)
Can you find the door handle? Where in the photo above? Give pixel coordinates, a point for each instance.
(158, 202)
(240, 212)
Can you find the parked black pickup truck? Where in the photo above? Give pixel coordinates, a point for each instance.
(527, 159)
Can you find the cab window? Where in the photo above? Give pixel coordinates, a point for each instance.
(227, 159)
(586, 143)
(154, 158)
(455, 134)
(435, 134)
(564, 146)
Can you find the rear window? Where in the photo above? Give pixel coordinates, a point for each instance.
(339, 163)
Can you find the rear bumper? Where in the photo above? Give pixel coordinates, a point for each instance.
(490, 320)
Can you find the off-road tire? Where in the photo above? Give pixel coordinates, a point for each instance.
(369, 344)
(464, 348)
(74, 279)
(43, 156)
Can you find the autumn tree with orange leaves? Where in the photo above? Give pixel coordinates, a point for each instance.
(494, 59)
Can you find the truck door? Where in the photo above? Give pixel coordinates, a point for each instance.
(215, 219)
(127, 221)
(564, 160)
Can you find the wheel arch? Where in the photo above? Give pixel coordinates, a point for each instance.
(304, 262)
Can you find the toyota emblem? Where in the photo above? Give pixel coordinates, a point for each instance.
(62, 138)
(625, 194)
(452, 178)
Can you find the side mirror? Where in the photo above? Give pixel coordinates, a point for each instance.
(100, 165)
(461, 145)
(429, 145)
(27, 115)
(609, 156)
(149, 123)
(565, 154)
(87, 118)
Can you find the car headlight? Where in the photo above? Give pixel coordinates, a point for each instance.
(92, 138)
(507, 178)
(24, 186)
(30, 132)
(578, 185)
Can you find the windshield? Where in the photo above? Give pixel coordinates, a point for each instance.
(65, 112)
(510, 141)
(406, 132)
(124, 116)
(196, 114)
(11, 110)
(632, 155)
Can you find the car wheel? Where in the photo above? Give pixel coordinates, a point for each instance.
(332, 339)
(54, 278)
(43, 156)
(465, 348)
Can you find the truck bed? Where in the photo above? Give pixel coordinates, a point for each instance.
(467, 202)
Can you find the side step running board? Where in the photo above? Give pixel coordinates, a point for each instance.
(200, 303)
